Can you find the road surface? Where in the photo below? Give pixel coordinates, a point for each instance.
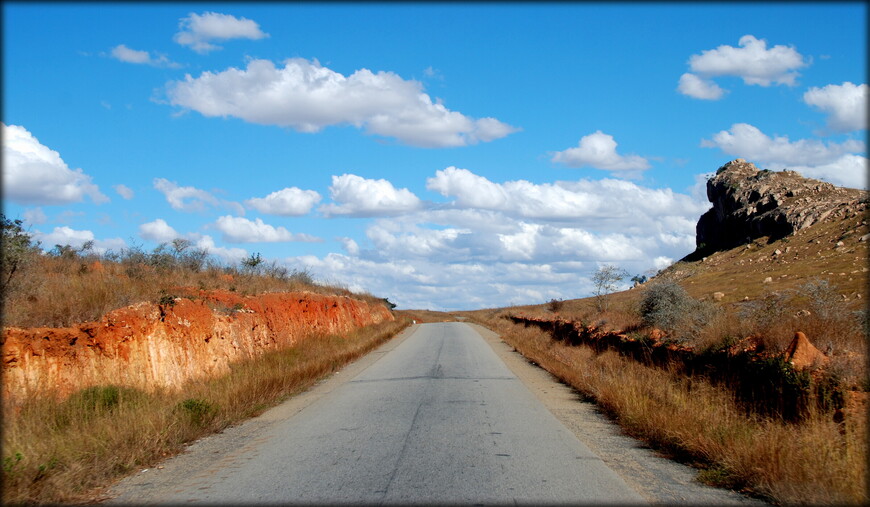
(436, 418)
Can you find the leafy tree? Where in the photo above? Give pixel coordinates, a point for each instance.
(17, 249)
(606, 280)
(252, 263)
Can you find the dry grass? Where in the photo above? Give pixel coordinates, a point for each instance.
(423, 316)
(60, 291)
(65, 452)
(814, 462)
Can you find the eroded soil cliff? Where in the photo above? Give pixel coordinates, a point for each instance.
(150, 346)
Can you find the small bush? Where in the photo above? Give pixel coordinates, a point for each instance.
(669, 307)
(555, 305)
(199, 412)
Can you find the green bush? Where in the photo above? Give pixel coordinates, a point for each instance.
(199, 412)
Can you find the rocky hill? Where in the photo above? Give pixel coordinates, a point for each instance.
(770, 231)
(749, 203)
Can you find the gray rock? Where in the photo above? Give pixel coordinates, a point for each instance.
(749, 203)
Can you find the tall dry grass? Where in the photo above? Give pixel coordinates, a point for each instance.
(813, 462)
(65, 452)
(68, 286)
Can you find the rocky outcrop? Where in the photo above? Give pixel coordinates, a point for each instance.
(749, 203)
(151, 346)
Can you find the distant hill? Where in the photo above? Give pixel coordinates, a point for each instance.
(778, 226)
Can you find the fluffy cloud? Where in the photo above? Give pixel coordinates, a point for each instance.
(124, 191)
(513, 242)
(698, 88)
(752, 61)
(837, 162)
(76, 238)
(847, 171)
(601, 201)
(188, 198)
(198, 30)
(158, 231)
(125, 54)
(308, 97)
(35, 174)
(357, 196)
(290, 201)
(845, 104)
(242, 230)
(598, 150)
(231, 255)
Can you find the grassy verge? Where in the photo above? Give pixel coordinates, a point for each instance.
(65, 452)
(814, 462)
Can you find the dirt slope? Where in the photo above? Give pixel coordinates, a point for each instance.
(151, 346)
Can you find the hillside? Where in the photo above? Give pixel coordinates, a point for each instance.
(767, 232)
(748, 357)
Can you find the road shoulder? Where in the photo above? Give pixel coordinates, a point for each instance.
(657, 479)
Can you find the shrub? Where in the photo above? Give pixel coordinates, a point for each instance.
(669, 307)
(199, 412)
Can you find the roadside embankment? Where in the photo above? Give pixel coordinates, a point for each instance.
(162, 345)
(790, 386)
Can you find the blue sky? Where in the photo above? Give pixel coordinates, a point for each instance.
(445, 156)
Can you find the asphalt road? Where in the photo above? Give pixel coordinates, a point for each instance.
(438, 418)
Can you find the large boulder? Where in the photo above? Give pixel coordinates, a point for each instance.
(749, 203)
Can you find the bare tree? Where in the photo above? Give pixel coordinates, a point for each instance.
(606, 280)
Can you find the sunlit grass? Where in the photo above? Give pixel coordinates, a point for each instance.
(816, 461)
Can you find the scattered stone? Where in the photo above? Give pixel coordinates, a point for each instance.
(769, 279)
(777, 252)
(864, 237)
(717, 296)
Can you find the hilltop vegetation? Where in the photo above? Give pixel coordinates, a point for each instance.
(67, 285)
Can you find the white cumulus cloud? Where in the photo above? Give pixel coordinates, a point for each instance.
(158, 231)
(36, 174)
(357, 196)
(231, 255)
(128, 55)
(699, 88)
(837, 162)
(242, 230)
(76, 238)
(306, 96)
(752, 61)
(847, 171)
(598, 150)
(184, 198)
(290, 201)
(198, 30)
(846, 105)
